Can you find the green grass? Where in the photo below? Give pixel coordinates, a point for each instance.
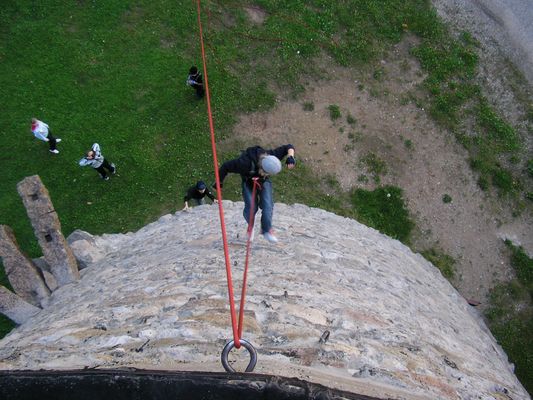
(455, 98)
(383, 209)
(308, 106)
(374, 166)
(510, 315)
(442, 261)
(334, 112)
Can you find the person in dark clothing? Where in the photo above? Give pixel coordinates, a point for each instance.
(194, 80)
(197, 193)
(258, 163)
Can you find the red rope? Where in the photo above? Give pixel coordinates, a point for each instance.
(237, 331)
(250, 232)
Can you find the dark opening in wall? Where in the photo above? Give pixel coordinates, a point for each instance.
(159, 385)
(48, 237)
(34, 196)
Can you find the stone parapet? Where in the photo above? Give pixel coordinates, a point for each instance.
(24, 277)
(47, 229)
(15, 308)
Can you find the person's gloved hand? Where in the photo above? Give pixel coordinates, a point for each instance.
(291, 162)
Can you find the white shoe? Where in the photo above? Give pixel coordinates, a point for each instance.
(54, 151)
(58, 140)
(270, 236)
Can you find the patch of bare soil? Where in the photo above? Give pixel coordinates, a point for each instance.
(420, 157)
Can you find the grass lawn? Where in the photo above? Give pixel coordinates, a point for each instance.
(114, 72)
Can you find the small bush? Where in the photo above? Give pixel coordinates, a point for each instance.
(334, 112)
(498, 131)
(309, 106)
(530, 168)
(379, 74)
(483, 183)
(374, 165)
(351, 120)
(522, 264)
(408, 143)
(331, 181)
(504, 181)
(514, 159)
(362, 178)
(384, 210)
(446, 198)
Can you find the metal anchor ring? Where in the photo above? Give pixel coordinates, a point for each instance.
(248, 346)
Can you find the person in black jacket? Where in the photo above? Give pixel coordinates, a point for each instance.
(194, 80)
(197, 193)
(256, 162)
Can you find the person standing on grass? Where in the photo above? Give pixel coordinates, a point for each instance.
(194, 80)
(42, 132)
(95, 159)
(198, 193)
(256, 163)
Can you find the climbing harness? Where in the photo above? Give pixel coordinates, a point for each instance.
(237, 330)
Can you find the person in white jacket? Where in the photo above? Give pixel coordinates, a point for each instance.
(42, 132)
(95, 159)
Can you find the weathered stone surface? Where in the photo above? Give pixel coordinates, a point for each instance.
(15, 308)
(158, 299)
(47, 229)
(47, 273)
(84, 248)
(24, 277)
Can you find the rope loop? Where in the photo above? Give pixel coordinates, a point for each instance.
(236, 325)
(248, 346)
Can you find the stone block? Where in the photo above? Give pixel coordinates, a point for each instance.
(47, 229)
(47, 273)
(85, 249)
(15, 308)
(25, 278)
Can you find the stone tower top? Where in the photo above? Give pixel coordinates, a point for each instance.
(157, 299)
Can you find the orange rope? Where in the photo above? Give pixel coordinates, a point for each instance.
(236, 331)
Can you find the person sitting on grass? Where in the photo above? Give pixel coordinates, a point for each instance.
(197, 193)
(194, 80)
(95, 159)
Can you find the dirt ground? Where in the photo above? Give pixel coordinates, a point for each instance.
(421, 158)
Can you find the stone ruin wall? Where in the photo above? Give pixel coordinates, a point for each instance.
(335, 303)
